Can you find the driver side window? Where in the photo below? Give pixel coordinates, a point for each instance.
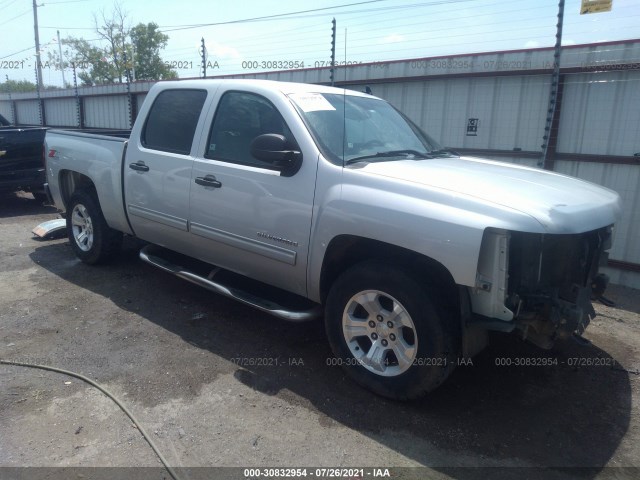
(240, 118)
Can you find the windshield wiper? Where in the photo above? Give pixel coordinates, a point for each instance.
(391, 153)
(444, 151)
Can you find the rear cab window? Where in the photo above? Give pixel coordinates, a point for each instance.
(172, 121)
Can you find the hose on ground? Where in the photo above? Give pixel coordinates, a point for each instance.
(108, 394)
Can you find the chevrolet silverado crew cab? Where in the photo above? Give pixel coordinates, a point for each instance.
(307, 201)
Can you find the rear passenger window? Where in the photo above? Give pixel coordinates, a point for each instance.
(171, 123)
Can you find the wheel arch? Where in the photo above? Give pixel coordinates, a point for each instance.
(345, 251)
(71, 181)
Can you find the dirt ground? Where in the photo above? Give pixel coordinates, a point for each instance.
(180, 358)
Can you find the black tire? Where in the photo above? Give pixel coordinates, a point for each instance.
(434, 358)
(105, 241)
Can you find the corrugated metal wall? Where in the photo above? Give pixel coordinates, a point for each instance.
(624, 179)
(511, 111)
(110, 111)
(601, 116)
(600, 113)
(5, 111)
(140, 99)
(61, 112)
(28, 112)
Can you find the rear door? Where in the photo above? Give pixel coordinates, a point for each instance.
(157, 170)
(244, 215)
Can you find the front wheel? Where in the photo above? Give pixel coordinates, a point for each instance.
(387, 332)
(92, 240)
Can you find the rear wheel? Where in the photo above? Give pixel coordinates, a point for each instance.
(92, 240)
(387, 332)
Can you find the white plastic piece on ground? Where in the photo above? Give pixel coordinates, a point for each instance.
(51, 228)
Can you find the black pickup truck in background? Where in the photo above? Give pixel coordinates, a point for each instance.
(22, 159)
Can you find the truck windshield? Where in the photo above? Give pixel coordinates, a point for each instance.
(368, 130)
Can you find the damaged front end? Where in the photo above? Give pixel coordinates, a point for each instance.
(540, 284)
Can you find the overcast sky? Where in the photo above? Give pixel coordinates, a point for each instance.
(376, 30)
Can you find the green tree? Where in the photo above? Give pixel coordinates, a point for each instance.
(17, 86)
(93, 64)
(121, 51)
(147, 41)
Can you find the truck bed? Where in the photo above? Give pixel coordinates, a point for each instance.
(94, 155)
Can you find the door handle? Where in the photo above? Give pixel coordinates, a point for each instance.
(139, 166)
(208, 181)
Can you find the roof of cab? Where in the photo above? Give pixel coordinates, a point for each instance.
(284, 87)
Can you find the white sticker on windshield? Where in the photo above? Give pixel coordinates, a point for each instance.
(311, 102)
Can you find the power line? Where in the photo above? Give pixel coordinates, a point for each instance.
(310, 39)
(273, 17)
(243, 41)
(15, 53)
(17, 16)
(8, 4)
(297, 15)
(250, 44)
(306, 33)
(266, 17)
(63, 1)
(70, 28)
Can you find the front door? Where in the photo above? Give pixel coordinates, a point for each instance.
(244, 215)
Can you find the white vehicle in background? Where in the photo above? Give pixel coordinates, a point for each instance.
(307, 201)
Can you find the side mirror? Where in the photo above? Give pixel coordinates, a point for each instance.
(277, 150)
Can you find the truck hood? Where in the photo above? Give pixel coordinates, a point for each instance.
(561, 204)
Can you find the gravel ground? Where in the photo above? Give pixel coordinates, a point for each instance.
(218, 384)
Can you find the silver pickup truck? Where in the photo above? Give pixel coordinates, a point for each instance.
(307, 201)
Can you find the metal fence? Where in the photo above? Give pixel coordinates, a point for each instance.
(493, 104)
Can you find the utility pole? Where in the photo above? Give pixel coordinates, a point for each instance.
(37, 37)
(64, 82)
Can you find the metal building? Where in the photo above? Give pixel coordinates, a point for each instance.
(490, 104)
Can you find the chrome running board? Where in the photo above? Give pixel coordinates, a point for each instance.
(151, 255)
